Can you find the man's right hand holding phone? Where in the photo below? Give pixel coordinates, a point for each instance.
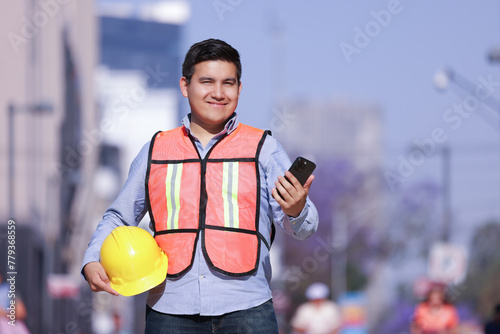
(290, 194)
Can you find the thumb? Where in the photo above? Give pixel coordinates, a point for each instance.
(308, 183)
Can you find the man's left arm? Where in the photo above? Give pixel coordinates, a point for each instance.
(293, 210)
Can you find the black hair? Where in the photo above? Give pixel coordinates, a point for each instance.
(210, 49)
(440, 288)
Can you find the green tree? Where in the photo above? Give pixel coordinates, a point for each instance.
(482, 286)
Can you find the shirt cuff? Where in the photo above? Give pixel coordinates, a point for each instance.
(297, 222)
(90, 256)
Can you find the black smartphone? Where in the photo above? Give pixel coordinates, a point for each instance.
(302, 169)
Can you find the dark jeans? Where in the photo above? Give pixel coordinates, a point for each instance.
(257, 320)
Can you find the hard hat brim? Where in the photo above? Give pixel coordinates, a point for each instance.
(146, 283)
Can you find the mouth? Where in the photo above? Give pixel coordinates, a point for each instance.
(217, 104)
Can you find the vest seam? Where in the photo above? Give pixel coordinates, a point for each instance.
(177, 230)
(258, 191)
(164, 162)
(230, 229)
(146, 180)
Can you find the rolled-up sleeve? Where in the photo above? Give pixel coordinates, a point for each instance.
(276, 162)
(128, 208)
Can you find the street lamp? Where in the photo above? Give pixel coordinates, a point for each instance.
(445, 76)
(494, 55)
(37, 109)
(442, 78)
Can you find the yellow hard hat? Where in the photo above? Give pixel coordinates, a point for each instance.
(133, 260)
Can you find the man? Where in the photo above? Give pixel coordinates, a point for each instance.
(211, 187)
(319, 315)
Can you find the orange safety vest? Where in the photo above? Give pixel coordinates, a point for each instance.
(215, 199)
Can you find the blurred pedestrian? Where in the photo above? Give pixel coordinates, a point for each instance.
(319, 315)
(435, 315)
(213, 188)
(493, 326)
(12, 310)
(119, 327)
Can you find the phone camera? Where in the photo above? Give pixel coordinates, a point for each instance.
(301, 165)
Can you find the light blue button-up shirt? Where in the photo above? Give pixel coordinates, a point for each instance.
(202, 290)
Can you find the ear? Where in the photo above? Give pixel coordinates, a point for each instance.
(239, 89)
(184, 86)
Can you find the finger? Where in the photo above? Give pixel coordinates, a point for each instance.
(281, 188)
(283, 201)
(97, 278)
(105, 284)
(107, 288)
(100, 285)
(293, 180)
(308, 183)
(277, 196)
(294, 188)
(290, 183)
(285, 205)
(103, 276)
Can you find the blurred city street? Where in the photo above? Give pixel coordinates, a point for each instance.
(396, 101)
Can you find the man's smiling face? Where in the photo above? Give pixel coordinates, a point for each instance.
(213, 93)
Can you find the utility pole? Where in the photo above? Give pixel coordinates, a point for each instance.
(445, 154)
(494, 57)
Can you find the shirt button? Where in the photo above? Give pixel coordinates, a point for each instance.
(202, 276)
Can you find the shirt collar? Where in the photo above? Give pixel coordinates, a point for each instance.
(231, 124)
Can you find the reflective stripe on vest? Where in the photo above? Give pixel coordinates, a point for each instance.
(215, 199)
(230, 193)
(172, 193)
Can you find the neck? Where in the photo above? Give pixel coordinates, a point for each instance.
(204, 134)
(435, 307)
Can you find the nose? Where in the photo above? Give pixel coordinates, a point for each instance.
(218, 92)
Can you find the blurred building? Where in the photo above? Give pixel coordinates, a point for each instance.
(80, 96)
(138, 93)
(331, 129)
(49, 54)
